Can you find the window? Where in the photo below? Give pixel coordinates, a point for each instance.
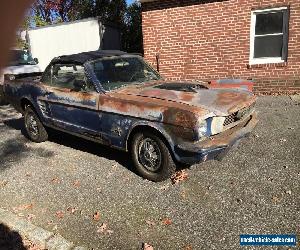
(269, 35)
(69, 76)
(117, 72)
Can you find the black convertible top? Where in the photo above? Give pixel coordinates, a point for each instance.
(83, 57)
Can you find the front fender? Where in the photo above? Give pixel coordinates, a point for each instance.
(172, 134)
(157, 126)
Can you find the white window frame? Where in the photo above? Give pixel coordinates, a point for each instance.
(265, 60)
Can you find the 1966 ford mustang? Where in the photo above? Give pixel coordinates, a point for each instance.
(117, 99)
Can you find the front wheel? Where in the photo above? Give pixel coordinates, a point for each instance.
(151, 157)
(34, 127)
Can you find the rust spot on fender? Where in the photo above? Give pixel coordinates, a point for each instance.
(180, 117)
(187, 97)
(241, 99)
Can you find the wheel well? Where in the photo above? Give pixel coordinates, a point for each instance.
(143, 128)
(25, 102)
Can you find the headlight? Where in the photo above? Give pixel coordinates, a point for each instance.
(217, 125)
(202, 129)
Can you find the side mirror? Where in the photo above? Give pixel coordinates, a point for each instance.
(79, 85)
(36, 60)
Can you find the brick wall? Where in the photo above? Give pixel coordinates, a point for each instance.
(211, 40)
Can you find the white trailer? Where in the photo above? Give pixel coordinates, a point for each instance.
(90, 34)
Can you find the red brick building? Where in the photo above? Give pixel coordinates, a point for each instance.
(215, 39)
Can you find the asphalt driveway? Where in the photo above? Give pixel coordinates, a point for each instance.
(90, 194)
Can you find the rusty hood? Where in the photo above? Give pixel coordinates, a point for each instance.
(219, 101)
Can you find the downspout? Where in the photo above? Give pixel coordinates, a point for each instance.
(157, 62)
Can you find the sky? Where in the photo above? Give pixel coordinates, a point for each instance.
(129, 1)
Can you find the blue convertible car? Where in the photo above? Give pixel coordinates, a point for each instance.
(117, 99)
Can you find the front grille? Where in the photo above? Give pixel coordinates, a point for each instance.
(230, 119)
(236, 116)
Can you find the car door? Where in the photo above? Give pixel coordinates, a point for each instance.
(70, 101)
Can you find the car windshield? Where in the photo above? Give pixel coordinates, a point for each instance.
(117, 72)
(21, 57)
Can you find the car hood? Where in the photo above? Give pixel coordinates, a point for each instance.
(219, 101)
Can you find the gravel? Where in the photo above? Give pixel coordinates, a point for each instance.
(60, 184)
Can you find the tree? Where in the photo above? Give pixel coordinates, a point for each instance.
(133, 38)
(81, 9)
(116, 10)
(42, 10)
(50, 11)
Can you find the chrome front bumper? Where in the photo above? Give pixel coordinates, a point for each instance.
(215, 147)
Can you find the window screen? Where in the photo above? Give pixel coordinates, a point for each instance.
(271, 34)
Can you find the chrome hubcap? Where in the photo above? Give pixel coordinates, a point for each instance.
(149, 154)
(31, 125)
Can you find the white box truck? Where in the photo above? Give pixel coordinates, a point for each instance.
(89, 34)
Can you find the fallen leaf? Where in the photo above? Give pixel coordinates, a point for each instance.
(96, 216)
(23, 207)
(238, 200)
(147, 246)
(179, 176)
(275, 199)
(76, 183)
(188, 247)
(55, 180)
(71, 210)
(150, 223)
(166, 221)
(103, 229)
(30, 216)
(3, 183)
(126, 178)
(109, 231)
(183, 194)
(59, 214)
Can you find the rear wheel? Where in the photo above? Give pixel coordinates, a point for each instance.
(151, 157)
(34, 127)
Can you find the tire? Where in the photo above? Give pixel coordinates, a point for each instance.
(151, 157)
(34, 128)
(2, 99)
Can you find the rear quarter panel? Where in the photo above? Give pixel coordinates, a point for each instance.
(17, 90)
